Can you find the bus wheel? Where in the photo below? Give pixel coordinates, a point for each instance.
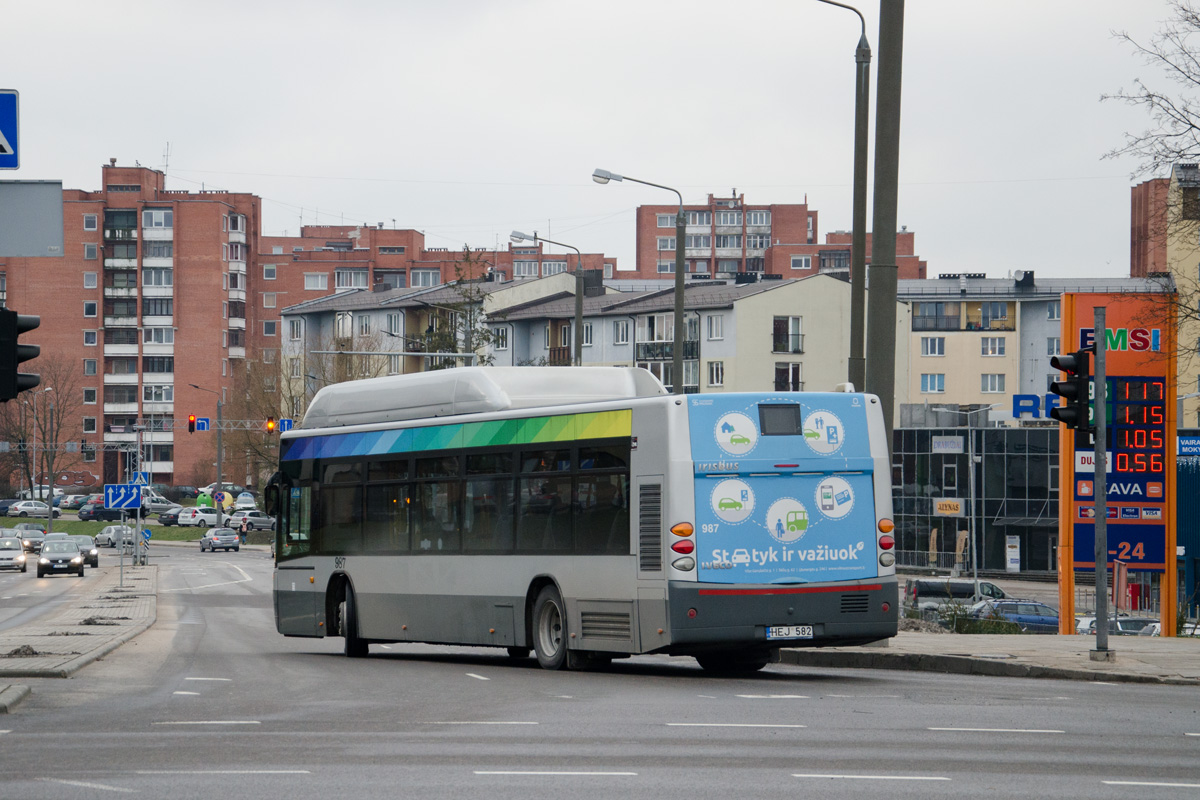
(355, 647)
(550, 629)
(518, 652)
(734, 663)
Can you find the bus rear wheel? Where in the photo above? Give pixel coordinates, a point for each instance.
(550, 629)
(355, 647)
(734, 662)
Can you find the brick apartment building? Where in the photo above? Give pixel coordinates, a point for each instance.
(727, 236)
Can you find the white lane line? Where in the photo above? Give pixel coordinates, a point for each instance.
(244, 579)
(729, 725)
(872, 777)
(481, 722)
(210, 722)
(197, 694)
(1102, 683)
(994, 730)
(1186, 734)
(864, 696)
(222, 772)
(772, 696)
(10, 731)
(477, 677)
(86, 785)
(208, 679)
(532, 772)
(1152, 783)
(707, 696)
(385, 647)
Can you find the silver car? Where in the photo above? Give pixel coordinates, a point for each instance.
(111, 535)
(12, 554)
(224, 538)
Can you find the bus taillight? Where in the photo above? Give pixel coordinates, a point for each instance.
(682, 529)
(886, 542)
(684, 546)
(886, 525)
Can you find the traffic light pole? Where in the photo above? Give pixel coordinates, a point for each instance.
(1100, 484)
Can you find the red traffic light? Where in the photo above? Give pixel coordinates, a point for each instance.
(270, 424)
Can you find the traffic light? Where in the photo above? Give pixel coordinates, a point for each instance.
(191, 423)
(270, 424)
(1075, 391)
(12, 353)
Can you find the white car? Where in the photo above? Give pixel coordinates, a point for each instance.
(245, 502)
(199, 516)
(30, 508)
(112, 535)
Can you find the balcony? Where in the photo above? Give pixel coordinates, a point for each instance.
(237, 352)
(158, 261)
(664, 351)
(159, 408)
(237, 295)
(930, 323)
(237, 236)
(114, 380)
(120, 291)
(120, 408)
(151, 349)
(158, 467)
(120, 263)
(158, 234)
(787, 343)
(151, 321)
(120, 234)
(120, 349)
(559, 357)
(158, 291)
(120, 322)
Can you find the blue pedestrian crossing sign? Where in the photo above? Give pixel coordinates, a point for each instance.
(141, 479)
(9, 129)
(122, 495)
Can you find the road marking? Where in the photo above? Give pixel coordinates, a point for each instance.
(532, 772)
(208, 679)
(1152, 783)
(245, 579)
(477, 677)
(1186, 734)
(10, 731)
(481, 722)
(863, 696)
(874, 777)
(1102, 683)
(995, 730)
(385, 647)
(222, 772)
(773, 696)
(729, 725)
(88, 785)
(707, 696)
(211, 722)
(191, 693)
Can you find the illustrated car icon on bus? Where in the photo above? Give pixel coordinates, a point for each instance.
(740, 557)
(812, 435)
(737, 438)
(728, 504)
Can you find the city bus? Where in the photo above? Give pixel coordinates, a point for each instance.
(582, 514)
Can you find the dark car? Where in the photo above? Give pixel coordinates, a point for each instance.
(95, 511)
(91, 554)
(170, 516)
(59, 558)
(73, 502)
(4, 504)
(183, 491)
(32, 540)
(30, 526)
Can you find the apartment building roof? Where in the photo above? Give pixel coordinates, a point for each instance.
(1022, 285)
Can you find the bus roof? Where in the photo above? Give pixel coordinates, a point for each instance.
(471, 390)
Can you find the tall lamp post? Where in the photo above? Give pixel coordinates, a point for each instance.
(34, 483)
(517, 236)
(858, 242)
(219, 426)
(604, 176)
(971, 467)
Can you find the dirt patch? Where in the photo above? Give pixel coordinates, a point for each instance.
(103, 620)
(921, 626)
(24, 651)
(69, 633)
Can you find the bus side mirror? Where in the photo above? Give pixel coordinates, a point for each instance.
(271, 499)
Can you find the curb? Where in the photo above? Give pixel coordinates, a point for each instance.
(11, 697)
(965, 665)
(76, 664)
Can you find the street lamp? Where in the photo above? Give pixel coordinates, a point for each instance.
(219, 426)
(971, 474)
(604, 176)
(34, 483)
(858, 242)
(517, 236)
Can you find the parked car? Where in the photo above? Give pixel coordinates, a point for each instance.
(87, 546)
(12, 554)
(72, 502)
(199, 516)
(30, 526)
(188, 492)
(224, 538)
(111, 535)
(928, 595)
(4, 505)
(1123, 626)
(42, 492)
(245, 502)
(31, 508)
(233, 488)
(153, 503)
(170, 516)
(58, 558)
(1030, 615)
(258, 520)
(32, 540)
(96, 511)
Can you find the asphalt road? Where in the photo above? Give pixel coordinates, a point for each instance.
(211, 702)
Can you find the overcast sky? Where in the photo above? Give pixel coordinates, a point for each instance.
(467, 119)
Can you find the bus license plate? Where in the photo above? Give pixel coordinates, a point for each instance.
(790, 632)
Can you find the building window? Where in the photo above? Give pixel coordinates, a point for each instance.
(158, 249)
(89, 338)
(89, 455)
(158, 364)
(158, 393)
(350, 278)
(237, 223)
(237, 251)
(295, 328)
(564, 336)
(758, 241)
(587, 334)
(364, 325)
(89, 424)
(553, 267)
(89, 397)
(1054, 310)
(698, 241)
(666, 221)
(90, 252)
(729, 240)
(270, 327)
(787, 377)
(729, 218)
(89, 308)
(700, 267)
(656, 328)
(992, 384)
(801, 262)
(268, 272)
(699, 218)
(992, 346)
(158, 218)
(89, 366)
(666, 266)
(316, 281)
(158, 335)
(546, 336)
(89, 280)
(1053, 345)
(91, 222)
(666, 242)
(391, 251)
(758, 218)
(158, 276)
(716, 373)
(157, 306)
(500, 338)
(268, 299)
(525, 269)
(787, 335)
(621, 331)
(428, 277)
(933, 345)
(933, 383)
(716, 327)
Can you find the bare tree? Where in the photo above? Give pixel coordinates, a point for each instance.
(460, 325)
(43, 427)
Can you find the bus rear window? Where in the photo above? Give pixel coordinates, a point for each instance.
(781, 419)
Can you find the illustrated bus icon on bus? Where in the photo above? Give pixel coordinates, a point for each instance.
(797, 521)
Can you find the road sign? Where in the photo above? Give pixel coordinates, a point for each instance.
(146, 534)
(9, 129)
(286, 425)
(122, 495)
(141, 479)
(202, 423)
